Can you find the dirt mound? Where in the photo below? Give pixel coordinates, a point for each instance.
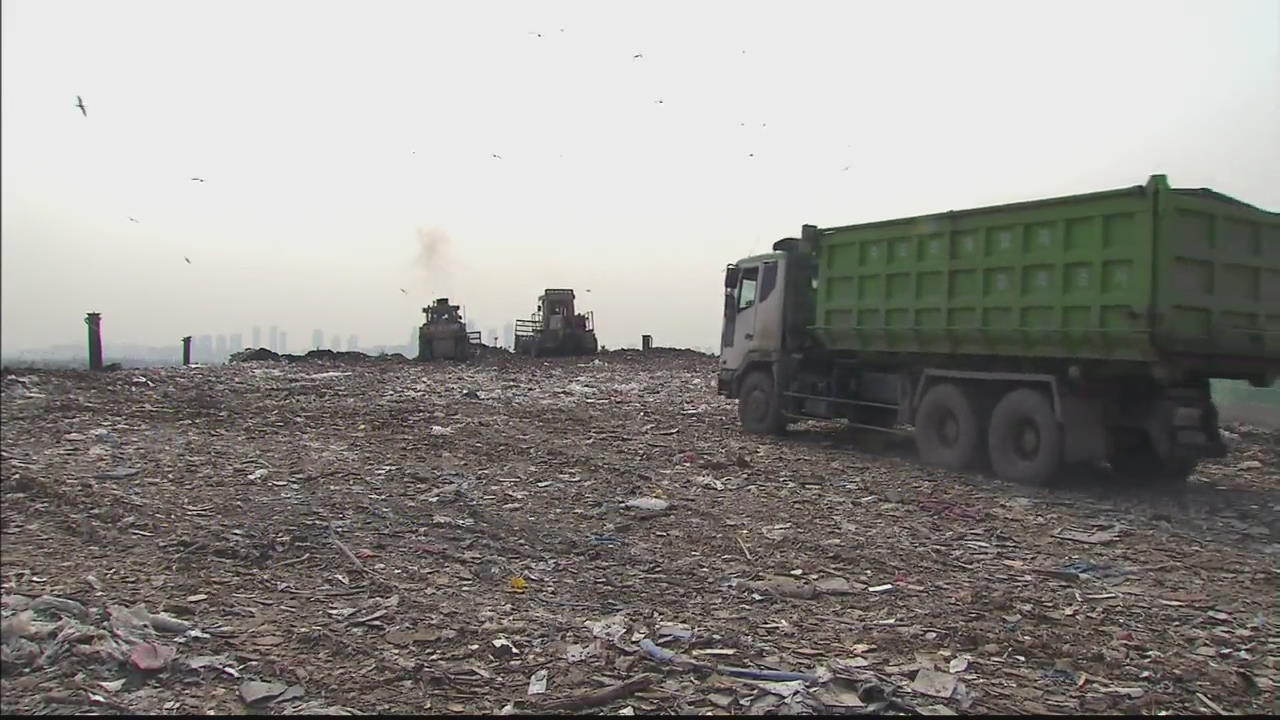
(253, 355)
(313, 356)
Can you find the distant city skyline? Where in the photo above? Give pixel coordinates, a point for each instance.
(217, 347)
(206, 347)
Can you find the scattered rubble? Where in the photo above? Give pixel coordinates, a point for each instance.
(513, 535)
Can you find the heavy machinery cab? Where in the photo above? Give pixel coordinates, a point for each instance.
(556, 312)
(442, 312)
(556, 328)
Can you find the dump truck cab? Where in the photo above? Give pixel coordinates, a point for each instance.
(752, 325)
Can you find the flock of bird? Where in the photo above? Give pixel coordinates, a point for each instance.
(84, 110)
(658, 101)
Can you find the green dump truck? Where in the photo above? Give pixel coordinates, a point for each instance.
(1028, 336)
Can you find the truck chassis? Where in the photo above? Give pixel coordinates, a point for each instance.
(1025, 425)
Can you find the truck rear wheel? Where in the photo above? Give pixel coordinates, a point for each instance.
(1133, 457)
(948, 432)
(1025, 438)
(758, 405)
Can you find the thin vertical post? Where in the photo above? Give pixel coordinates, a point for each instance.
(94, 321)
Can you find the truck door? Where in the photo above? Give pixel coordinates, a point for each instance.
(739, 318)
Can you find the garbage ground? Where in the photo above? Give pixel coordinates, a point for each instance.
(594, 534)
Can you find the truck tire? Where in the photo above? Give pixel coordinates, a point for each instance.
(1025, 438)
(1132, 457)
(758, 405)
(948, 432)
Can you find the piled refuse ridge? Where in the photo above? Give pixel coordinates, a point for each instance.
(345, 535)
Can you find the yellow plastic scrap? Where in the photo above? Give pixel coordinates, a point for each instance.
(518, 584)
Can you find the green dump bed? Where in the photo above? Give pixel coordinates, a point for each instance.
(1138, 274)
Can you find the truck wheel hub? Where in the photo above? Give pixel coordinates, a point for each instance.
(1027, 441)
(949, 429)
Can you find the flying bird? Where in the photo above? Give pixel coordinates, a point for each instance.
(80, 104)
(196, 179)
(751, 154)
(406, 292)
(658, 101)
(496, 155)
(535, 33)
(637, 56)
(133, 219)
(184, 257)
(845, 168)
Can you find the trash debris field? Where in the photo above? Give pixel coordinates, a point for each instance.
(518, 535)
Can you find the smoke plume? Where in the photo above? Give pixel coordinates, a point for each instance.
(433, 251)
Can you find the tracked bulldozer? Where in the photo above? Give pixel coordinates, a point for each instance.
(444, 335)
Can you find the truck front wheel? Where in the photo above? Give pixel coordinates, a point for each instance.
(1025, 438)
(948, 432)
(758, 405)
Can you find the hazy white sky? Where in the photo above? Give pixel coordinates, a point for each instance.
(329, 133)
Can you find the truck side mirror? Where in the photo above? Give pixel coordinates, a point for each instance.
(730, 277)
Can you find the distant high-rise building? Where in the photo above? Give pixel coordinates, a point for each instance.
(336, 344)
(235, 343)
(257, 337)
(272, 335)
(204, 349)
(509, 335)
(317, 339)
(284, 342)
(219, 347)
(353, 343)
(491, 336)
